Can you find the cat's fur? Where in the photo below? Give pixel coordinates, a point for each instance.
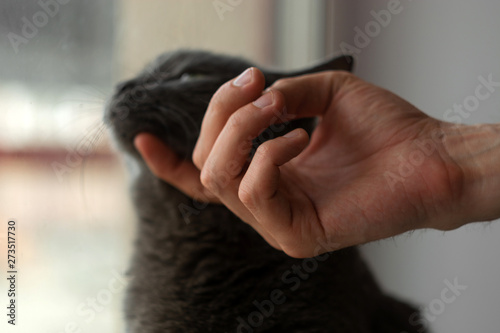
(199, 268)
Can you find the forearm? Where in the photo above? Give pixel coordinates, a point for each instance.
(476, 150)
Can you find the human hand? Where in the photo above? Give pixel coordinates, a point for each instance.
(374, 167)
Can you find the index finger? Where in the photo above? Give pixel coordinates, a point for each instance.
(229, 97)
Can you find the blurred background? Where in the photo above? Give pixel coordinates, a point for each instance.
(68, 192)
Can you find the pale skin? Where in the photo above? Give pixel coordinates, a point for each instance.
(345, 185)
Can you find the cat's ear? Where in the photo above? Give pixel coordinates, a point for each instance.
(343, 62)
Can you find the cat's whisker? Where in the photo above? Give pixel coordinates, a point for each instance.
(86, 146)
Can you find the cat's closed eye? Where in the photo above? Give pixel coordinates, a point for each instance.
(193, 76)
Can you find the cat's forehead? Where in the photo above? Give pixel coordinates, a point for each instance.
(176, 63)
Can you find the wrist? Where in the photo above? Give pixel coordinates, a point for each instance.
(476, 151)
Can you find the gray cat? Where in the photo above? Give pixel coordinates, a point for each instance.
(198, 267)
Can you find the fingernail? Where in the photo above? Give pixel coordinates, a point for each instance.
(292, 134)
(264, 100)
(244, 78)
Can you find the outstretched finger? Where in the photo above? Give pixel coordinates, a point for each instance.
(265, 194)
(229, 97)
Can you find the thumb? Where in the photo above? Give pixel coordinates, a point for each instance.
(166, 165)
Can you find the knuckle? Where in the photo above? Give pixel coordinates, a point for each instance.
(246, 194)
(215, 180)
(209, 181)
(217, 102)
(265, 150)
(237, 120)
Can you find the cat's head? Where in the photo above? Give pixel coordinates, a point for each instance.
(170, 97)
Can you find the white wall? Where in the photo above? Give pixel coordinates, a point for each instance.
(299, 30)
(432, 54)
(146, 29)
